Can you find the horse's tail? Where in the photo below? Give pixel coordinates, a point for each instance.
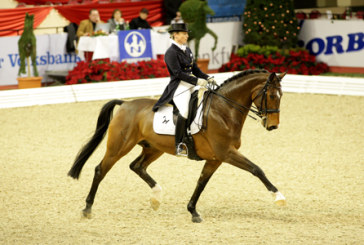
(103, 122)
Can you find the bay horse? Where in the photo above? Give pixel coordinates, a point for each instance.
(228, 106)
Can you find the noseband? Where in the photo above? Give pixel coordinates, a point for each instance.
(258, 111)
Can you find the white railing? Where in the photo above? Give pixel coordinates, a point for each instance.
(154, 87)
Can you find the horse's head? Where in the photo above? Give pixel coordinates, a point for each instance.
(28, 22)
(267, 98)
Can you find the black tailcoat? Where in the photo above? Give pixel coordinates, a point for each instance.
(180, 66)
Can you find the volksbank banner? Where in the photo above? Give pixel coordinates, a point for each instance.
(135, 45)
(51, 55)
(335, 42)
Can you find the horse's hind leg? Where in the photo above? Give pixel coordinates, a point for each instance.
(207, 171)
(117, 147)
(140, 165)
(34, 62)
(100, 172)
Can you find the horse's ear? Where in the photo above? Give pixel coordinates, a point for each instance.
(280, 76)
(271, 77)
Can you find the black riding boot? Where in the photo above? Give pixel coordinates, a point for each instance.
(181, 148)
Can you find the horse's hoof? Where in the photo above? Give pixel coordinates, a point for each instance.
(86, 214)
(154, 203)
(197, 219)
(279, 200)
(155, 200)
(280, 203)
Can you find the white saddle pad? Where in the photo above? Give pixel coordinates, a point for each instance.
(163, 121)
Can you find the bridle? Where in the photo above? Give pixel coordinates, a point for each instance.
(258, 111)
(263, 92)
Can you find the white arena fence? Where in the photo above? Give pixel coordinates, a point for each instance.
(154, 87)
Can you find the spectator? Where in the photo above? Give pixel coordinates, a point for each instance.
(177, 19)
(141, 21)
(88, 26)
(170, 9)
(116, 21)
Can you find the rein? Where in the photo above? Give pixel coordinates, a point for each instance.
(241, 108)
(235, 105)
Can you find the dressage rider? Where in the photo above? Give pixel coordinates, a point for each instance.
(185, 75)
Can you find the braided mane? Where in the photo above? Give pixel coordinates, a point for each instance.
(242, 74)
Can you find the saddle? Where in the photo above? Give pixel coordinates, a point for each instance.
(165, 119)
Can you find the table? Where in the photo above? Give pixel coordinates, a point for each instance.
(103, 47)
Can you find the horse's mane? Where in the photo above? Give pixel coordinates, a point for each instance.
(242, 74)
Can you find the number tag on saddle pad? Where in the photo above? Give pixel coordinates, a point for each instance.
(163, 121)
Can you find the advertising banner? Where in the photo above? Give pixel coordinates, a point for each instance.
(335, 42)
(135, 45)
(229, 36)
(51, 56)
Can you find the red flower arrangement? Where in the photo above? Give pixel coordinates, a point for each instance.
(101, 70)
(295, 62)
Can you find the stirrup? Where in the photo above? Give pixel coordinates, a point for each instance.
(182, 150)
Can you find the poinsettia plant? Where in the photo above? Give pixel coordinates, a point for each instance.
(102, 71)
(294, 61)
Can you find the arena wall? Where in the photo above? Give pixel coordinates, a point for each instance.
(154, 87)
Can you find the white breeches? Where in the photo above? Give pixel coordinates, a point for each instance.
(182, 97)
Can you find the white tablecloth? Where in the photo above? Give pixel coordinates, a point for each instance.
(102, 46)
(108, 46)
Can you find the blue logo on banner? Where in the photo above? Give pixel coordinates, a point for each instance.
(135, 44)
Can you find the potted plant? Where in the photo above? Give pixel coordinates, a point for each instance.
(194, 14)
(27, 48)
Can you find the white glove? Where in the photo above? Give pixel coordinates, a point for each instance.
(202, 82)
(212, 81)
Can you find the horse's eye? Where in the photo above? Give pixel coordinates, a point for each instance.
(272, 96)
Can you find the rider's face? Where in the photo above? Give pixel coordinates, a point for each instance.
(181, 37)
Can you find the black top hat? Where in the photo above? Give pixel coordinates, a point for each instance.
(178, 27)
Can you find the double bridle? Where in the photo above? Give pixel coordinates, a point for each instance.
(263, 91)
(258, 111)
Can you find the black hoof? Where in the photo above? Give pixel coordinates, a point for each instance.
(86, 213)
(196, 219)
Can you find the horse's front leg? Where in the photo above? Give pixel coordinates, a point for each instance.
(197, 45)
(207, 171)
(214, 36)
(238, 160)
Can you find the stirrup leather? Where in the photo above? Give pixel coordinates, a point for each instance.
(182, 150)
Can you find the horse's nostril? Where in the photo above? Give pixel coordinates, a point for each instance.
(272, 127)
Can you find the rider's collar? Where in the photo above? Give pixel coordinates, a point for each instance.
(182, 47)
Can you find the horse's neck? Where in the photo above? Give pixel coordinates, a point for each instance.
(240, 91)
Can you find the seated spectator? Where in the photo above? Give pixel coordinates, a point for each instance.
(116, 21)
(177, 19)
(141, 21)
(170, 9)
(88, 26)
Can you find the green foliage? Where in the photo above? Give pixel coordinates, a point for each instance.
(27, 46)
(194, 14)
(270, 23)
(191, 10)
(264, 50)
